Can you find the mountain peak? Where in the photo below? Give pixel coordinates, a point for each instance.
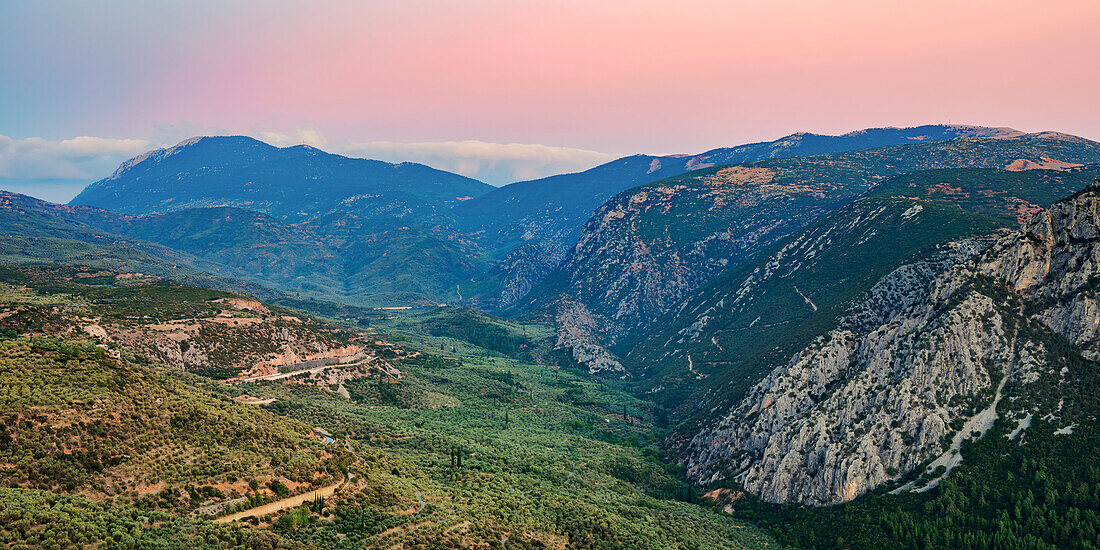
(217, 141)
(158, 155)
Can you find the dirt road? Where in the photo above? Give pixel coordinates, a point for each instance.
(284, 504)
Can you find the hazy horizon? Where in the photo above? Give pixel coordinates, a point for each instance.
(577, 85)
(538, 160)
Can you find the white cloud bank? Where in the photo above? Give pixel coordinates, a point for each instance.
(57, 170)
(83, 157)
(305, 136)
(493, 163)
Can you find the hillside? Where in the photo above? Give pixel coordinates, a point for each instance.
(77, 419)
(210, 332)
(104, 444)
(897, 354)
(725, 335)
(647, 248)
(89, 408)
(222, 246)
(501, 450)
(443, 442)
(333, 225)
(1012, 197)
(353, 230)
(925, 366)
(233, 242)
(751, 315)
(508, 337)
(38, 232)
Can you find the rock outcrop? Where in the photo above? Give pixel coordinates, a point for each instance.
(579, 331)
(1056, 262)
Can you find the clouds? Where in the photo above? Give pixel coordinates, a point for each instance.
(79, 158)
(305, 136)
(493, 163)
(57, 170)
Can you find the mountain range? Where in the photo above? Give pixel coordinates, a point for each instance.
(458, 239)
(935, 353)
(882, 323)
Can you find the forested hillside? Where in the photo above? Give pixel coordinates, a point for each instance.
(964, 400)
(532, 225)
(452, 436)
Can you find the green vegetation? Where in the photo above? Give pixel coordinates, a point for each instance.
(468, 445)
(36, 233)
(468, 433)
(524, 216)
(500, 447)
(1010, 197)
(1042, 493)
(74, 417)
(465, 446)
(454, 327)
(41, 519)
(222, 340)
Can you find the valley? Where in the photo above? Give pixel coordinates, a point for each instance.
(549, 275)
(512, 428)
(883, 339)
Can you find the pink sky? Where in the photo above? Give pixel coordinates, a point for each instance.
(615, 77)
(643, 75)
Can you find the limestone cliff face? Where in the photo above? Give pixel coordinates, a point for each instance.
(1056, 262)
(530, 263)
(579, 331)
(914, 368)
(858, 407)
(547, 215)
(644, 250)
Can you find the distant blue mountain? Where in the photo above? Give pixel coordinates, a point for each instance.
(329, 225)
(290, 183)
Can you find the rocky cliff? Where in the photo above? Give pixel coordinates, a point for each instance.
(738, 326)
(1056, 264)
(580, 331)
(210, 332)
(921, 364)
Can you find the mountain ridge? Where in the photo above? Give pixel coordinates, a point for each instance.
(547, 215)
(647, 247)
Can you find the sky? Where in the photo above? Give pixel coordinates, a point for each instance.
(505, 90)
